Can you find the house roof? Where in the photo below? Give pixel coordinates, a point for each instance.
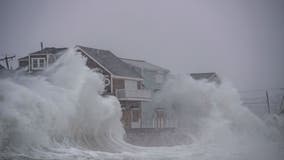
(199, 76)
(144, 64)
(111, 62)
(48, 50)
(24, 58)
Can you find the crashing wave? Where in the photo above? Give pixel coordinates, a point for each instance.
(60, 114)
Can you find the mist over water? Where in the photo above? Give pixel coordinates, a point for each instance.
(60, 114)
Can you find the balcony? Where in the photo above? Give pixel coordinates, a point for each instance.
(134, 95)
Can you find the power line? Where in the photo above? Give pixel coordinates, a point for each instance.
(7, 59)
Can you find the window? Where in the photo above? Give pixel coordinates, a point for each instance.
(38, 63)
(35, 64)
(135, 115)
(159, 78)
(140, 85)
(160, 118)
(130, 84)
(41, 63)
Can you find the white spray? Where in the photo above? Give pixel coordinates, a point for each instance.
(60, 114)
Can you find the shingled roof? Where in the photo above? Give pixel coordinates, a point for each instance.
(144, 64)
(50, 50)
(198, 76)
(111, 62)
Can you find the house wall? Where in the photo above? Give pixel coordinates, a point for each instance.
(23, 63)
(118, 84)
(51, 58)
(131, 110)
(131, 114)
(48, 57)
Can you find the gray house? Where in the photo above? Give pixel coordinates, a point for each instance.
(122, 81)
(39, 60)
(153, 116)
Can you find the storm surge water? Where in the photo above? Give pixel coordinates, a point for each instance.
(60, 114)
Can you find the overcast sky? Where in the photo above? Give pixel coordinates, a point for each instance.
(242, 40)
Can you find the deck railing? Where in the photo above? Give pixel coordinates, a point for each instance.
(138, 94)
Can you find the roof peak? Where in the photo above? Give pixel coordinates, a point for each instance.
(111, 62)
(93, 48)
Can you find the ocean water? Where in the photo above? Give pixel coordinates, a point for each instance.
(60, 115)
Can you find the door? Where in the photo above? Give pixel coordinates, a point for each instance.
(159, 118)
(126, 117)
(135, 117)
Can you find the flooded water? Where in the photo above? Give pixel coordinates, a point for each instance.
(60, 115)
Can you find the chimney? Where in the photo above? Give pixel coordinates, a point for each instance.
(41, 45)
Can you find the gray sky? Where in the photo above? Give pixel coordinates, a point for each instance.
(242, 40)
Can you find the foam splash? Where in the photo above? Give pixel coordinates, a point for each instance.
(60, 114)
(60, 106)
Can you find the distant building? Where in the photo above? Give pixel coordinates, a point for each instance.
(154, 76)
(39, 60)
(210, 77)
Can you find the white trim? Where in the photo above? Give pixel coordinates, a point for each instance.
(29, 69)
(129, 78)
(111, 85)
(40, 54)
(135, 99)
(23, 60)
(47, 60)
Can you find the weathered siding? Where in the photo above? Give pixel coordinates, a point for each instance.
(51, 59)
(23, 63)
(118, 84)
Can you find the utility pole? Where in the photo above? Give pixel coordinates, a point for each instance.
(7, 59)
(281, 105)
(41, 45)
(267, 101)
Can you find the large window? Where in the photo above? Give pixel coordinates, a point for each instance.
(38, 63)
